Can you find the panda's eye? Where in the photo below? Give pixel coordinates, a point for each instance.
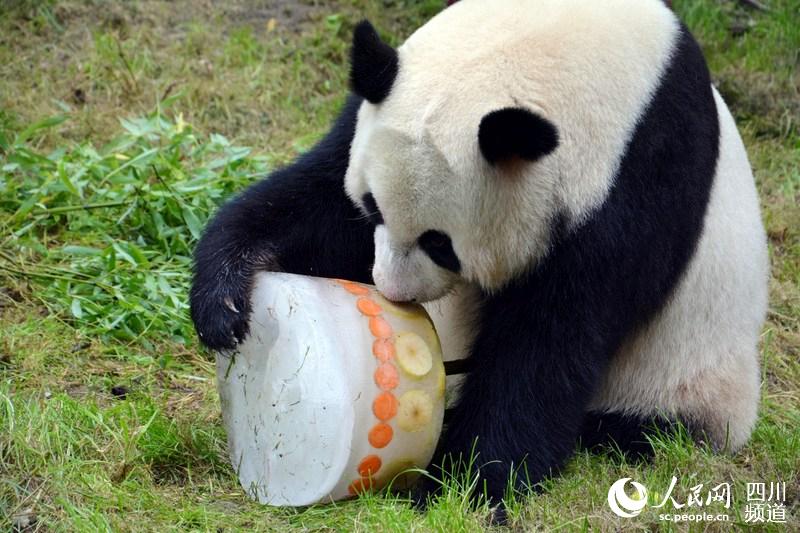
(371, 209)
(439, 248)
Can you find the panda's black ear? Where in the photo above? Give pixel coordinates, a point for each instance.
(373, 64)
(514, 132)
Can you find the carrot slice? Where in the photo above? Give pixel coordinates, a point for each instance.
(368, 307)
(380, 327)
(354, 288)
(359, 485)
(380, 435)
(386, 376)
(385, 406)
(383, 350)
(369, 466)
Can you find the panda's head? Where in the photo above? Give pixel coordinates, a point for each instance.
(461, 145)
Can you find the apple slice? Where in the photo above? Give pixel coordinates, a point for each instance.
(402, 310)
(401, 473)
(413, 354)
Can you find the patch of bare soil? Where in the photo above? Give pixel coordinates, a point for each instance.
(290, 14)
(761, 96)
(174, 15)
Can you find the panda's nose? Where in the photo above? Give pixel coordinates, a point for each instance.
(393, 295)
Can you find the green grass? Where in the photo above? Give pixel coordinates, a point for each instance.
(124, 125)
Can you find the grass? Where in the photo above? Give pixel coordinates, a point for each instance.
(124, 125)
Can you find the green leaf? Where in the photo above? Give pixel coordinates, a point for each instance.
(137, 126)
(77, 312)
(26, 206)
(137, 254)
(123, 254)
(47, 123)
(81, 250)
(110, 254)
(62, 175)
(192, 222)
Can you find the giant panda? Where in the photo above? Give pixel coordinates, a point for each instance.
(562, 186)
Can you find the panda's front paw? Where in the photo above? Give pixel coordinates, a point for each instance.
(220, 316)
(427, 489)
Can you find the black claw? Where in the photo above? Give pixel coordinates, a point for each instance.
(498, 516)
(221, 320)
(419, 500)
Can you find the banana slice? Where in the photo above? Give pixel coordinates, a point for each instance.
(413, 354)
(415, 411)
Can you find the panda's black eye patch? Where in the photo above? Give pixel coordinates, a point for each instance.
(439, 248)
(371, 208)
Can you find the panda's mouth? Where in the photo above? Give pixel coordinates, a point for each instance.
(413, 293)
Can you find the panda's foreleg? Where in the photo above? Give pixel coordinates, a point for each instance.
(296, 220)
(521, 407)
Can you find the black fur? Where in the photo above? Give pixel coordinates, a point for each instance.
(439, 248)
(515, 132)
(371, 209)
(297, 220)
(373, 65)
(545, 341)
(628, 434)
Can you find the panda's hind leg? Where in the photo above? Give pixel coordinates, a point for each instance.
(631, 435)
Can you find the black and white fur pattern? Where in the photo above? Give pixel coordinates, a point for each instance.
(563, 186)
